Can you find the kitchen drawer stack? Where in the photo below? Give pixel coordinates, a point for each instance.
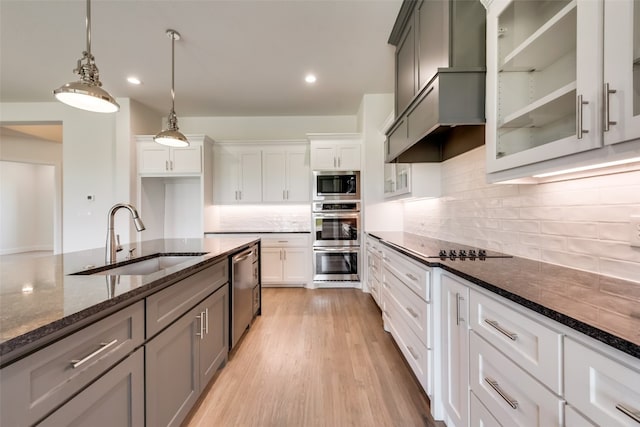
(374, 268)
(515, 365)
(406, 307)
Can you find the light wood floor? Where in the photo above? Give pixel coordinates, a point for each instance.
(315, 358)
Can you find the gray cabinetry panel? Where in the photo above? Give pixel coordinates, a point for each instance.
(171, 366)
(169, 304)
(116, 399)
(406, 68)
(433, 38)
(214, 347)
(182, 359)
(34, 386)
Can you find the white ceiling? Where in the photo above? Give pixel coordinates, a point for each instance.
(236, 58)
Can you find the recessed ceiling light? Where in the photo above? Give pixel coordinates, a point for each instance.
(134, 80)
(310, 78)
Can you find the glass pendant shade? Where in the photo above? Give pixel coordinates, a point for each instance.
(171, 136)
(87, 93)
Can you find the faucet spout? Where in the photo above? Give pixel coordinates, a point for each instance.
(112, 246)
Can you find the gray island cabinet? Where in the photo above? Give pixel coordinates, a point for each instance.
(145, 363)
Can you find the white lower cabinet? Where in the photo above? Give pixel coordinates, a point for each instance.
(479, 416)
(374, 268)
(531, 345)
(573, 419)
(602, 386)
(509, 393)
(285, 259)
(406, 308)
(454, 350)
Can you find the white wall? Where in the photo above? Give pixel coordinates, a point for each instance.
(579, 223)
(265, 128)
(26, 149)
(96, 157)
(372, 116)
(26, 207)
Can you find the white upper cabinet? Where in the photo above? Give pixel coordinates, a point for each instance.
(550, 106)
(238, 174)
(622, 70)
(285, 174)
(156, 159)
(335, 151)
(541, 61)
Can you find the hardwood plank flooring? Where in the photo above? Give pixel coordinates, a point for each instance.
(315, 358)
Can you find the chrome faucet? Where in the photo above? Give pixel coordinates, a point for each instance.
(113, 239)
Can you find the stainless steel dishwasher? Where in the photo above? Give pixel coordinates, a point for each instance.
(244, 278)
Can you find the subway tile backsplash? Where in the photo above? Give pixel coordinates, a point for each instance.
(580, 223)
(261, 218)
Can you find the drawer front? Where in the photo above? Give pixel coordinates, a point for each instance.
(285, 240)
(415, 276)
(533, 346)
(414, 351)
(480, 416)
(414, 310)
(600, 387)
(172, 302)
(39, 383)
(573, 419)
(509, 393)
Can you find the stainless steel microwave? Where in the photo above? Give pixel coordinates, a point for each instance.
(343, 185)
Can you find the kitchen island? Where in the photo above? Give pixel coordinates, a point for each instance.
(153, 339)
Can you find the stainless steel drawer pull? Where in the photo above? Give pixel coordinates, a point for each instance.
(511, 335)
(206, 324)
(580, 122)
(629, 412)
(201, 318)
(458, 299)
(494, 385)
(75, 363)
(413, 354)
(411, 276)
(411, 312)
(607, 119)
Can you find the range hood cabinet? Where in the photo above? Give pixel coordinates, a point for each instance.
(445, 119)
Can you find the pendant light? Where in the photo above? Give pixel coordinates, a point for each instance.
(87, 93)
(172, 136)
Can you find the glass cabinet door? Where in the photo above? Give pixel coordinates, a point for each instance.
(622, 70)
(543, 78)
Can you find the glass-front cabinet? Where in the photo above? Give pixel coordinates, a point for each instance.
(621, 70)
(542, 78)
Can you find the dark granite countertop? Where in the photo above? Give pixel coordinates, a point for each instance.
(40, 301)
(602, 307)
(259, 232)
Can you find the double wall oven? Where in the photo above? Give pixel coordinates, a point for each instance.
(336, 226)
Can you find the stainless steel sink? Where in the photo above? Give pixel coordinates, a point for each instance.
(144, 266)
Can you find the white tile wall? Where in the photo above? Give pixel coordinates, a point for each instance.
(265, 218)
(579, 223)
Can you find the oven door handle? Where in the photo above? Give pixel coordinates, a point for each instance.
(345, 249)
(336, 215)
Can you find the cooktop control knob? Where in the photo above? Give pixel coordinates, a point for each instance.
(482, 254)
(472, 254)
(452, 254)
(442, 254)
(462, 254)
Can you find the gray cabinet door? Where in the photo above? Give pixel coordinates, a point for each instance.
(116, 399)
(432, 38)
(406, 83)
(172, 373)
(214, 345)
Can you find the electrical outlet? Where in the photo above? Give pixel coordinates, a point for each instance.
(634, 230)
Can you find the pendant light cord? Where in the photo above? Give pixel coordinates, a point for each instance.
(173, 67)
(88, 25)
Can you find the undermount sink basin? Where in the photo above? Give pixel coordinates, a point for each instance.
(144, 266)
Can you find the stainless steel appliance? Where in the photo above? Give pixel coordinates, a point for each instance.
(336, 224)
(344, 185)
(336, 240)
(244, 279)
(341, 264)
